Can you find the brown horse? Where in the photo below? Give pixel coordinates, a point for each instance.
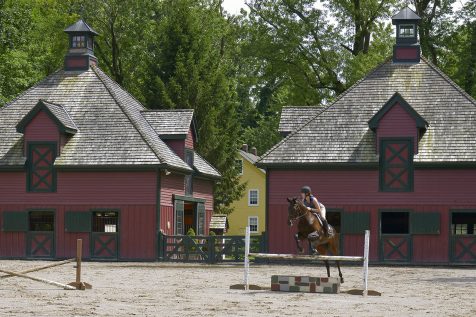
(310, 228)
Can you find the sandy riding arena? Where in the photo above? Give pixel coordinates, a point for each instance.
(172, 289)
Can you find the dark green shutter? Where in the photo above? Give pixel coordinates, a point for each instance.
(425, 223)
(201, 219)
(15, 221)
(179, 217)
(355, 222)
(77, 221)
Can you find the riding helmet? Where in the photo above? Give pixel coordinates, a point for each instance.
(306, 190)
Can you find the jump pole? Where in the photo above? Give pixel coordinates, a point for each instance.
(39, 268)
(42, 280)
(364, 259)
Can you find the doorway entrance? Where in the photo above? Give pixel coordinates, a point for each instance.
(395, 240)
(41, 234)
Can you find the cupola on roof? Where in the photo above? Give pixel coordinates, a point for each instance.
(80, 54)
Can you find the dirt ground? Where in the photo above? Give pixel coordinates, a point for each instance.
(173, 289)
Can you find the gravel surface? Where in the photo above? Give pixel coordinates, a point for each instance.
(173, 289)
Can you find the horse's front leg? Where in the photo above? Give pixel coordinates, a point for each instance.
(340, 273)
(298, 244)
(328, 269)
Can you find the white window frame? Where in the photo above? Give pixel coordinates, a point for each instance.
(406, 36)
(241, 160)
(257, 224)
(257, 197)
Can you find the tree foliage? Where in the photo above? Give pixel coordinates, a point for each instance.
(236, 72)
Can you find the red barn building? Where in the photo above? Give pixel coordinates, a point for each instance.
(81, 158)
(395, 153)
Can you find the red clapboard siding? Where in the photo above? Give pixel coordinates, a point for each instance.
(190, 140)
(357, 190)
(167, 219)
(397, 123)
(41, 128)
(352, 187)
(170, 185)
(138, 232)
(178, 146)
(83, 187)
(204, 189)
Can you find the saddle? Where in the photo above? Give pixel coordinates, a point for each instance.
(315, 235)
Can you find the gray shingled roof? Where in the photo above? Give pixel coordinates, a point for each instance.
(112, 131)
(294, 117)
(340, 134)
(170, 122)
(406, 14)
(80, 27)
(250, 157)
(203, 167)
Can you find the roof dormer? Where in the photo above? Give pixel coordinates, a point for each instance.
(397, 119)
(54, 112)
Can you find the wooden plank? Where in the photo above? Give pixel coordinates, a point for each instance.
(39, 268)
(42, 280)
(307, 257)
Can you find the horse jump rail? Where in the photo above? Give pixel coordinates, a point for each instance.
(307, 257)
(364, 259)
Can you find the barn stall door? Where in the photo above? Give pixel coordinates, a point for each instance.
(395, 243)
(40, 237)
(463, 237)
(105, 235)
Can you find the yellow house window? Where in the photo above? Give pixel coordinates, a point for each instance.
(239, 166)
(253, 223)
(253, 197)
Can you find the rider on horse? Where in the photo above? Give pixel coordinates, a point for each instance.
(315, 206)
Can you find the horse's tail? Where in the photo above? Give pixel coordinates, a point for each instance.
(335, 244)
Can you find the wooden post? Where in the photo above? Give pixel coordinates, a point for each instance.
(79, 255)
(247, 260)
(366, 262)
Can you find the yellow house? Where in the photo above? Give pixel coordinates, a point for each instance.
(250, 209)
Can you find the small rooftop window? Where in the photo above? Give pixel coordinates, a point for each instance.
(407, 30)
(78, 41)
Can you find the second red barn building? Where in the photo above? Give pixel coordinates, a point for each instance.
(81, 158)
(395, 153)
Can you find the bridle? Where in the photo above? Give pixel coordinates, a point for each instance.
(297, 211)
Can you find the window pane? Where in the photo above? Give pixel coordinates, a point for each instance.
(463, 223)
(105, 221)
(253, 223)
(407, 30)
(239, 166)
(42, 221)
(253, 197)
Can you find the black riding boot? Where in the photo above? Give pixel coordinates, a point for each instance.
(325, 226)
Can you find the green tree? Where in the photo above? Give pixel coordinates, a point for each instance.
(188, 65)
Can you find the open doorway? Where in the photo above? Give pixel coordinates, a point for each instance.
(189, 217)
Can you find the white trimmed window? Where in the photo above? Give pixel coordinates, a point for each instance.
(253, 224)
(239, 166)
(253, 197)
